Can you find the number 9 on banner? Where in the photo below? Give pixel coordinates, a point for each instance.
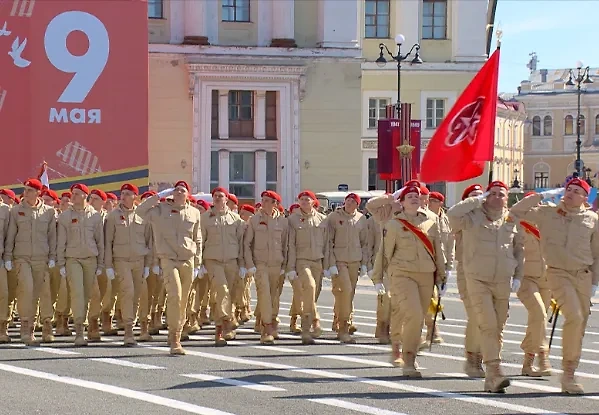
(88, 67)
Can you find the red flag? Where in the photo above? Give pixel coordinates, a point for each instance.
(465, 138)
(389, 138)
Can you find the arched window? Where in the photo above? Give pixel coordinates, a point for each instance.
(569, 125)
(597, 125)
(536, 126)
(547, 126)
(582, 125)
(541, 175)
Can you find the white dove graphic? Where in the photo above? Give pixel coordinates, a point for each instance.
(15, 53)
(4, 32)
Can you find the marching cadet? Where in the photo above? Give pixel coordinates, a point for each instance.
(265, 255)
(4, 288)
(348, 245)
(473, 366)
(246, 212)
(232, 202)
(222, 235)
(127, 237)
(178, 247)
(31, 244)
(111, 202)
(8, 197)
(412, 254)
(308, 256)
(65, 201)
(51, 199)
(80, 253)
(534, 293)
(295, 311)
(493, 255)
(570, 246)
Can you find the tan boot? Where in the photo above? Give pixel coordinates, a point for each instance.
(79, 339)
(59, 332)
(47, 336)
(228, 331)
(176, 348)
(543, 363)
(266, 337)
(316, 329)
(93, 331)
(294, 327)
(219, 340)
(156, 324)
(569, 384)
(27, 336)
(351, 328)
(527, 366)
(107, 328)
(335, 324)
(275, 329)
(4, 337)
(163, 324)
(194, 327)
(409, 366)
(129, 339)
(258, 326)
(185, 331)
(118, 316)
(472, 366)
(244, 316)
(144, 335)
(396, 356)
(307, 338)
(495, 381)
(384, 333)
(343, 334)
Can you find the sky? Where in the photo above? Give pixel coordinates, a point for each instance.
(561, 32)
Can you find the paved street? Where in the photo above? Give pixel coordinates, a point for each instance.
(249, 379)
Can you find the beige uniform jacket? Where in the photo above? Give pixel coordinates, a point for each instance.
(348, 237)
(4, 222)
(176, 230)
(127, 236)
(569, 239)
(381, 208)
(534, 264)
(266, 240)
(222, 235)
(492, 251)
(447, 240)
(374, 239)
(308, 238)
(403, 251)
(31, 233)
(80, 235)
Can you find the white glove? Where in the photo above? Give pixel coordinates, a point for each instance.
(552, 193)
(63, 272)
(515, 285)
(98, 271)
(252, 271)
(8, 265)
(146, 272)
(326, 273)
(333, 270)
(441, 289)
(363, 271)
(156, 270)
(242, 273)
(380, 288)
(291, 276)
(110, 273)
(483, 196)
(51, 264)
(196, 272)
(593, 290)
(397, 193)
(166, 192)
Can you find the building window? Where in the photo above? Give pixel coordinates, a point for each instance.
(541, 180)
(536, 126)
(241, 114)
(440, 187)
(376, 19)
(377, 109)
(272, 170)
(242, 174)
(214, 166)
(434, 19)
(435, 112)
(583, 126)
(374, 183)
(271, 115)
(547, 126)
(569, 125)
(214, 115)
(236, 11)
(597, 125)
(155, 9)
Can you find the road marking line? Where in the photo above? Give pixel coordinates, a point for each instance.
(253, 346)
(234, 382)
(115, 390)
(385, 384)
(366, 362)
(355, 407)
(127, 363)
(52, 350)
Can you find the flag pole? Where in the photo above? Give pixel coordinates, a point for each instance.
(499, 35)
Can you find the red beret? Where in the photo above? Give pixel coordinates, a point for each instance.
(580, 183)
(308, 193)
(147, 194)
(409, 189)
(248, 208)
(130, 187)
(220, 189)
(9, 193)
(81, 187)
(204, 204)
(233, 198)
(192, 199)
(354, 196)
(497, 183)
(424, 190)
(281, 208)
(182, 183)
(258, 205)
(438, 196)
(34, 184)
(471, 189)
(530, 194)
(100, 193)
(294, 206)
(272, 195)
(414, 183)
(67, 195)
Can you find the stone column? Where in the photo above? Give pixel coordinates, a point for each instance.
(260, 184)
(338, 24)
(223, 114)
(260, 115)
(223, 169)
(283, 24)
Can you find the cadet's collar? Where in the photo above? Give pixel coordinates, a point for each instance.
(216, 212)
(422, 211)
(565, 211)
(302, 213)
(125, 209)
(74, 209)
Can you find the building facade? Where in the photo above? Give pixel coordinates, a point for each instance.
(550, 134)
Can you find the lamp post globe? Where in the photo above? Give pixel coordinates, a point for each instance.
(400, 39)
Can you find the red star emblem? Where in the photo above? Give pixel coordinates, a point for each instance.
(464, 126)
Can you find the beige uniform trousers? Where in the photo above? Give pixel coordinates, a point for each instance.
(344, 289)
(33, 285)
(572, 292)
(309, 275)
(410, 298)
(63, 298)
(491, 302)
(81, 273)
(101, 300)
(155, 290)
(269, 283)
(472, 340)
(201, 286)
(247, 291)
(535, 295)
(178, 276)
(296, 299)
(55, 282)
(5, 296)
(224, 277)
(383, 304)
(131, 285)
(12, 282)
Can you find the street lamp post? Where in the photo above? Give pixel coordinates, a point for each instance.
(582, 77)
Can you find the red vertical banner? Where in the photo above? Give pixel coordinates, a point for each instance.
(389, 138)
(415, 136)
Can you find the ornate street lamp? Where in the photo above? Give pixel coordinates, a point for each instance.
(582, 77)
